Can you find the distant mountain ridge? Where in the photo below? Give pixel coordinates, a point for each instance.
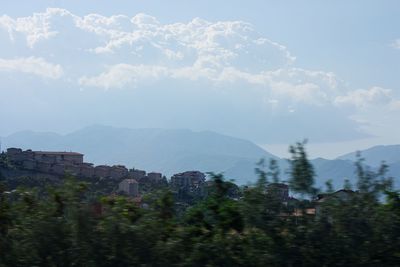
(375, 155)
(176, 150)
(165, 150)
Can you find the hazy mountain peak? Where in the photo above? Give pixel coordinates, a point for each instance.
(375, 155)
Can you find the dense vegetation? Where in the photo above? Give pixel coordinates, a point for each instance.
(67, 226)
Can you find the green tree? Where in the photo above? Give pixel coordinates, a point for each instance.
(273, 170)
(369, 182)
(329, 186)
(261, 173)
(347, 185)
(301, 170)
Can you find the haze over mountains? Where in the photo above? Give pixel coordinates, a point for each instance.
(165, 150)
(175, 150)
(375, 155)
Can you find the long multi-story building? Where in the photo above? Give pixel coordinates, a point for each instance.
(16, 154)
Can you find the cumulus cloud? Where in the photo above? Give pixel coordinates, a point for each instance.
(364, 98)
(36, 28)
(120, 75)
(292, 84)
(228, 61)
(127, 52)
(139, 50)
(32, 65)
(120, 51)
(197, 43)
(142, 38)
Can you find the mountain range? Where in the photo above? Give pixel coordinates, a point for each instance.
(375, 155)
(175, 150)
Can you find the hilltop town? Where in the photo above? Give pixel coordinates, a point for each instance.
(187, 187)
(130, 182)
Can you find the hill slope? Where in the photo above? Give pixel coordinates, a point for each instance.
(170, 151)
(167, 151)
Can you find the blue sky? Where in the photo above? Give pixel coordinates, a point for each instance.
(269, 71)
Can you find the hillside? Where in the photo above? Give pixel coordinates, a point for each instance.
(165, 150)
(176, 150)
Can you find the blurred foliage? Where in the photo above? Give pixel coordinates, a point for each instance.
(301, 170)
(69, 225)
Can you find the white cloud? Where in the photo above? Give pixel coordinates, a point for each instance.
(121, 75)
(228, 60)
(36, 28)
(127, 52)
(143, 38)
(296, 85)
(32, 65)
(396, 44)
(312, 87)
(214, 51)
(364, 98)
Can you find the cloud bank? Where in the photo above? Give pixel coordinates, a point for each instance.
(254, 83)
(32, 65)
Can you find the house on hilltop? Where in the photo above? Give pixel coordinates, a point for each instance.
(189, 185)
(343, 195)
(130, 187)
(187, 180)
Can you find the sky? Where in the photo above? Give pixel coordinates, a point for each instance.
(273, 72)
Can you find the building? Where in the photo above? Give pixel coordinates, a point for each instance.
(342, 195)
(60, 163)
(130, 187)
(118, 172)
(86, 170)
(102, 171)
(137, 174)
(17, 155)
(58, 157)
(187, 180)
(154, 177)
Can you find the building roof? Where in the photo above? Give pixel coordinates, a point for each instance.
(130, 181)
(154, 173)
(345, 191)
(324, 197)
(58, 153)
(281, 185)
(189, 174)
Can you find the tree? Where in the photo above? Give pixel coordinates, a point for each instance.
(273, 170)
(5, 223)
(301, 170)
(347, 185)
(329, 186)
(370, 182)
(262, 181)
